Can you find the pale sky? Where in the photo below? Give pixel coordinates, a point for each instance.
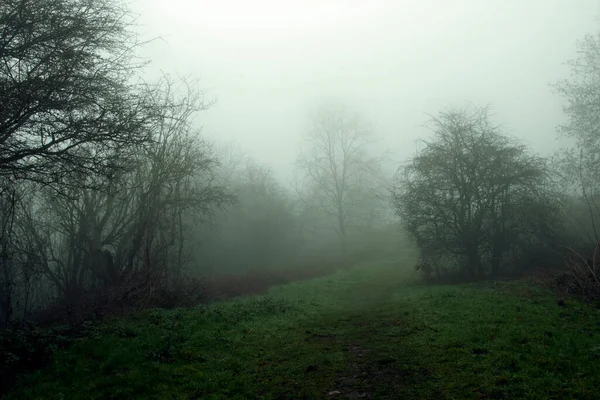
(270, 63)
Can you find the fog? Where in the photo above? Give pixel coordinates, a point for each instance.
(269, 63)
(229, 199)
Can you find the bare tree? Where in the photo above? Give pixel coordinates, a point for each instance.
(133, 231)
(579, 164)
(338, 169)
(67, 103)
(176, 184)
(472, 195)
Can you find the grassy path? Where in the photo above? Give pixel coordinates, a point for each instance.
(362, 333)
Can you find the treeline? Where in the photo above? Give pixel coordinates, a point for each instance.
(111, 198)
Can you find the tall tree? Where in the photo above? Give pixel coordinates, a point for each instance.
(580, 163)
(339, 171)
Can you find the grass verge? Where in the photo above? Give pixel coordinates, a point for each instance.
(359, 333)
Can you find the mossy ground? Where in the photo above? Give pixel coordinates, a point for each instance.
(368, 332)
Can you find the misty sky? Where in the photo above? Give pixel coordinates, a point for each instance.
(269, 63)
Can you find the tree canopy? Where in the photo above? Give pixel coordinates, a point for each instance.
(473, 196)
(68, 104)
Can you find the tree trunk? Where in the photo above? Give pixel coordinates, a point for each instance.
(342, 234)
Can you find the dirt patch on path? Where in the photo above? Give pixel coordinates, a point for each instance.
(372, 376)
(373, 372)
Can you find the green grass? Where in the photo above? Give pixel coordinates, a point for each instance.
(368, 332)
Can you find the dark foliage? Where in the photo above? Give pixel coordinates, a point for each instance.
(474, 199)
(68, 108)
